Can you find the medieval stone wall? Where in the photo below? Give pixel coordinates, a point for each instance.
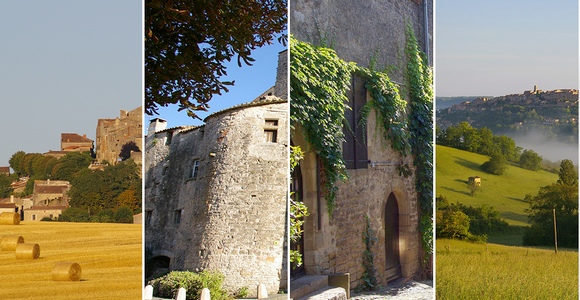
(112, 134)
(232, 211)
(360, 31)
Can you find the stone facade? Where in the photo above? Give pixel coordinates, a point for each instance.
(50, 193)
(216, 195)
(331, 244)
(72, 142)
(36, 213)
(112, 134)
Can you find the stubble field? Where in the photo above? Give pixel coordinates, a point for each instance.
(109, 256)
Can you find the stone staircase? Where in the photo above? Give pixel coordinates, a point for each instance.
(321, 287)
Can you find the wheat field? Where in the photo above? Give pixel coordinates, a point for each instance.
(110, 256)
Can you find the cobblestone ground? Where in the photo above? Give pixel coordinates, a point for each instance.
(413, 290)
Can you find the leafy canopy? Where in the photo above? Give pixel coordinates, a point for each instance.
(562, 197)
(188, 42)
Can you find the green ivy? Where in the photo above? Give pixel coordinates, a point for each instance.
(388, 106)
(369, 276)
(319, 81)
(420, 81)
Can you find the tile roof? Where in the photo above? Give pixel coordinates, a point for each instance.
(74, 138)
(50, 189)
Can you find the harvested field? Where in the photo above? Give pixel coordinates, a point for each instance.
(109, 255)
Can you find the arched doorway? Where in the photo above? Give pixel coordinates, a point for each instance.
(157, 265)
(393, 262)
(296, 187)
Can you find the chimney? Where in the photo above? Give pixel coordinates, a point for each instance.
(156, 125)
(85, 135)
(11, 198)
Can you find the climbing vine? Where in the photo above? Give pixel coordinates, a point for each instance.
(298, 211)
(319, 81)
(388, 106)
(369, 276)
(419, 81)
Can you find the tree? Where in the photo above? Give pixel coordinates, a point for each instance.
(563, 197)
(473, 187)
(5, 187)
(530, 160)
(15, 162)
(452, 223)
(69, 165)
(188, 42)
(497, 164)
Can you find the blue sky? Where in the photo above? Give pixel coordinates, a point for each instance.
(250, 82)
(66, 64)
(501, 47)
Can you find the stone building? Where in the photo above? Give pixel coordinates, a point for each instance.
(216, 194)
(112, 134)
(360, 31)
(5, 171)
(50, 193)
(72, 142)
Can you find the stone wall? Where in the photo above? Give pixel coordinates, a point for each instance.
(359, 31)
(230, 215)
(112, 134)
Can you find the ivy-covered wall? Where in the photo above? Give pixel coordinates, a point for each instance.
(370, 34)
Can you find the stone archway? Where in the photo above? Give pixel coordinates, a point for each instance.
(392, 239)
(157, 265)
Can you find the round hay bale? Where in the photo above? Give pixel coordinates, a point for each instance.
(27, 251)
(66, 271)
(8, 218)
(9, 242)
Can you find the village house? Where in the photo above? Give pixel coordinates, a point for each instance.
(5, 171)
(70, 142)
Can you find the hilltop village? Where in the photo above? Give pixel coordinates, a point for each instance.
(49, 198)
(555, 108)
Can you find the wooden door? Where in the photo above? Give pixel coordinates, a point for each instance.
(393, 263)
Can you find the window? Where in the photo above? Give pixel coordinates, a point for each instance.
(148, 216)
(177, 216)
(194, 169)
(169, 138)
(270, 131)
(33, 217)
(354, 149)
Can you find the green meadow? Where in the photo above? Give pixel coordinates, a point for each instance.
(467, 270)
(488, 271)
(505, 193)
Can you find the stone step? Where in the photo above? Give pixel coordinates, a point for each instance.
(327, 293)
(307, 284)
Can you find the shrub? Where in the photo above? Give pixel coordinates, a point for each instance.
(73, 214)
(104, 216)
(497, 164)
(167, 286)
(124, 215)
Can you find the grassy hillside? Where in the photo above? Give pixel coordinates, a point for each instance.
(504, 192)
(109, 256)
(479, 271)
